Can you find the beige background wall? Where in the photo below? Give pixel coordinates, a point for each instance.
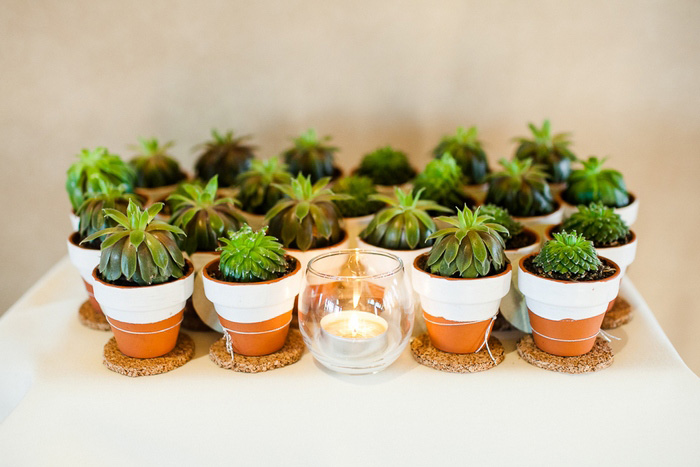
(623, 76)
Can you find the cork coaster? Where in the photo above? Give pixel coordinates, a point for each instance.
(599, 358)
(426, 354)
(129, 366)
(501, 324)
(290, 353)
(91, 318)
(619, 314)
(191, 320)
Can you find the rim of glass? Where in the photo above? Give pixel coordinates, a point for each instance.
(381, 275)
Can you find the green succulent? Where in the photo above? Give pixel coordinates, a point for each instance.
(597, 223)
(139, 249)
(521, 188)
(153, 166)
(386, 166)
(311, 156)
(501, 216)
(203, 217)
(592, 184)
(95, 166)
(465, 147)
(360, 189)
(250, 256)
(472, 247)
(551, 151)
(91, 214)
(442, 182)
(568, 254)
(225, 156)
(257, 192)
(404, 224)
(307, 218)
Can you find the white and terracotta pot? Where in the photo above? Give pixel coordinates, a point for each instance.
(85, 261)
(540, 223)
(355, 225)
(566, 316)
(305, 256)
(513, 307)
(202, 306)
(628, 213)
(256, 315)
(145, 320)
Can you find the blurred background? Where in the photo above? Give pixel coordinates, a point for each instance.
(622, 76)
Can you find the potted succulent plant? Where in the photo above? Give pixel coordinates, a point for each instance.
(462, 280)
(157, 173)
(387, 167)
(256, 191)
(225, 156)
(568, 289)
(253, 287)
(312, 156)
(360, 209)
(593, 183)
(142, 282)
(442, 181)
(466, 148)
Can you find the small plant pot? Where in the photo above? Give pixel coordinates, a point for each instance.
(85, 260)
(389, 189)
(477, 191)
(74, 221)
(513, 307)
(305, 256)
(201, 304)
(145, 320)
(255, 221)
(159, 193)
(458, 312)
(627, 213)
(557, 188)
(256, 315)
(566, 316)
(540, 223)
(355, 225)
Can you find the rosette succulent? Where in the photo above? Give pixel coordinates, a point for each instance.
(551, 151)
(501, 216)
(311, 156)
(360, 189)
(257, 192)
(593, 183)
(568, 255)
(225, 156)
(465, 147)
(92, 168)
(139, 250)
(598, 224)
(91, 214)
(251, 256)
(521, 188)
(154, 166)
(386, 166)
(442, 182)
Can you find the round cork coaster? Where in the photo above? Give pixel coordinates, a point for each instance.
(426, 354)
(290, 353)
(619, 314)
(130, 366)
(91, 318)
(501, 324)
(599, 358)
(191, 320)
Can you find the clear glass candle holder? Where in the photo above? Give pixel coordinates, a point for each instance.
(355, 310)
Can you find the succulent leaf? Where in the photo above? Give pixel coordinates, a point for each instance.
(466, 149)
(257, 192)
(91, 215)
(386, 166)
(311, 156)
(597, 223)
(94, 170)
(153, 166)
(568, 254)
(593, 183)
(442, 182)
(550, 151)
(225, 156)
(360, 188)
(501, 216)
(251, 256)
(521, 188)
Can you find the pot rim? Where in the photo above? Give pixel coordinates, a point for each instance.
(295, 250)
(72, 241)
(548, 236)
(205, 273)
(538, 239)
(521, 266)
(509, 268)
(188, 265)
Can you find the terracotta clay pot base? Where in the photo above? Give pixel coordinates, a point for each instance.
(426, 354)
(91, 318)
(599, 358)
(191, 320)
(619, 314)
(290, 353)
(501, 324)
(129, 366)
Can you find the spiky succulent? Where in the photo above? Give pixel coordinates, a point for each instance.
(465, 147)
(311, 156)
(154, 166)
(91, 214)
(568, 254)
(551, 151)
(93, 166)
(203, 217)
(307, 218)
(250, 256)
(598, 224)
(360, 189)
(593, 183)
(257, 192)
(386, 166)
(472, 247)
(404, 224)
(501, 216)
(225, 156)
(442, 182)
(521, 188)
(139, 249)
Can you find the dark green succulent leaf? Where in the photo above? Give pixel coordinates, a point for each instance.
(594, 184)
(153, 166)
(568, 254)
(226, 156)
(464, 146)
(96, 171)
(258, 186)
(442, 182)
(361, 191)
(311, 156)
(91, 216)
(251, 256)
(386, 166)
(521, 189)
(550, 151)
(599, 224)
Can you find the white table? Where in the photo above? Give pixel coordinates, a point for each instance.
(61, 406)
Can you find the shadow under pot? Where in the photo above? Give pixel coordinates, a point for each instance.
(85, 261)
(566, 315)
(255, 315)
(145, 319)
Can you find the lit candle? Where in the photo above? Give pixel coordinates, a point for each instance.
(353, 334)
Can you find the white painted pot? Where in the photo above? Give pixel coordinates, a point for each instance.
(513, 307)
(202, 306)
(355, 225)
(628, 213)
(74, 221)
(305, 256)
(84, 259)
(540, 223)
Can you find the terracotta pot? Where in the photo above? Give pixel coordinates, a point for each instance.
(145, 320)
(513, 307)
(355, 225)
(459, 313)
(256, 315)
(305, 256)
(627, 213)
(201, 304)
(84, 260)
(540, 223)
(565, 316)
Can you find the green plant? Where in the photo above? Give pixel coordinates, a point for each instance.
(442, 182)
(250, 256)
(521, 188)
(225, 156)
(203, 217)
(386, 166)
(95, 166)
(568, 254)
(311, 156)
(404, 224)
(597, 223)
(257, 192)
(360, 189)
(551, 151)
(153, 166)
(501, 216)
(139, 249)
(465, 147)
(91, 214)
(472, 247)
(307, 218)
(592, 183)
